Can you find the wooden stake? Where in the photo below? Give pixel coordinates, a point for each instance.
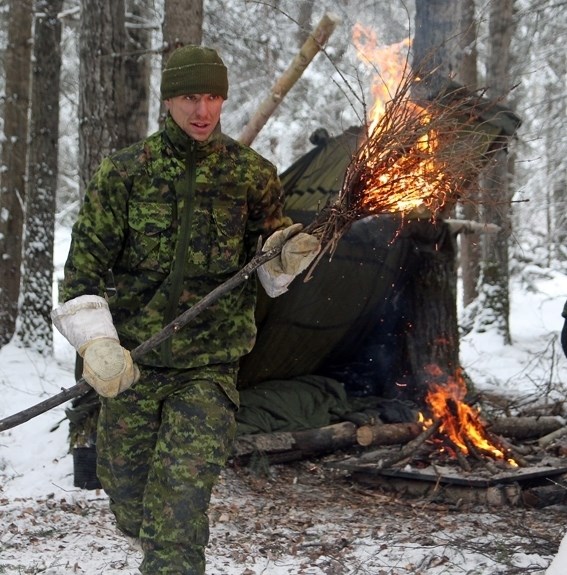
(308, 51)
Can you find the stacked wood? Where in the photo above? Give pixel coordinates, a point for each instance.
(292, 445)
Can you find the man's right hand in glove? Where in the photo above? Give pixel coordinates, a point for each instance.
(108, 367)
(87, 325)
(298, 250)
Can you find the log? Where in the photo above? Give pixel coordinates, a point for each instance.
(552, 437)
(297, 444)
(524, 427)
(387, 434)
(308, 51)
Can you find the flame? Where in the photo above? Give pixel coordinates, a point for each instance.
(459, 422)
(415, 183)
(390, 63)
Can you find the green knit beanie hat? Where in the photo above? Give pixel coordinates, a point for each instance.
(194, 70)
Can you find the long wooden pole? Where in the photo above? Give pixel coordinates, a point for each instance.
(308, 51)
(82, 386)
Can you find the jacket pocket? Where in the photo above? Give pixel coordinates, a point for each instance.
(150, 243)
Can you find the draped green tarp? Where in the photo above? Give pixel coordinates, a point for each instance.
(321, 326)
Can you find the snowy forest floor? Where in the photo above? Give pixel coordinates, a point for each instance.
(300, 518)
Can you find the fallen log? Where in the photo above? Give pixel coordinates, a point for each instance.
(524, 427)
(550, 438)
(291, 445)
(387, 434)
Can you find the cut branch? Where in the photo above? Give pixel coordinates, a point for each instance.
(308, 51)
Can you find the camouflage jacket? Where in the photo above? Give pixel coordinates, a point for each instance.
(167, 220)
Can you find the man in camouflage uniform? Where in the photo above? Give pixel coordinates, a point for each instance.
(169, 219)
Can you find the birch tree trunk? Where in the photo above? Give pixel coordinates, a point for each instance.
(13, 162)
(34, 325)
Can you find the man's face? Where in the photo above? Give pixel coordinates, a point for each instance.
(196, 114)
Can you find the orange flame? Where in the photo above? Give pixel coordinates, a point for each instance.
(459, 422)
(390, 63)
(416, 181)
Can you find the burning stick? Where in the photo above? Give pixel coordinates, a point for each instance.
(409, 448)
(417, 159)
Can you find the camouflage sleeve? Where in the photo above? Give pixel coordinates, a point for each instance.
(266, 208)
(98, 234)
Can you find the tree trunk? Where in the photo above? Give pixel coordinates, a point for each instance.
(494, 299)
(102, 103)
(182, 24)
(13, 162)
(305, 12)
(137, 70)
(555, 157)
(467, 75)
(434, 337)
(436, 53)
(35, 327)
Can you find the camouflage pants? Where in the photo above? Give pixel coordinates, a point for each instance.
(161, 446)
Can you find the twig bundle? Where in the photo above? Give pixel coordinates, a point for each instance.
(416, 160)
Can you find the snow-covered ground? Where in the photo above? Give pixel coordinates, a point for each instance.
(302, 518)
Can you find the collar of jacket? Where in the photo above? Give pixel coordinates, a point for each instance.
(181, 142)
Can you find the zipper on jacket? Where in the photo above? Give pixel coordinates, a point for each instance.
(183, 237)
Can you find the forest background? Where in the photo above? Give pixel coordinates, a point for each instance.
(80, 79)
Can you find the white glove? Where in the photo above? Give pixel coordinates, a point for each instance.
(86, 323)
(298, 252)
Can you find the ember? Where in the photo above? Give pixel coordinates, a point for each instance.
(459, 423)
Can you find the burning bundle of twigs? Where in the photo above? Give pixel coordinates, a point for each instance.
(416, 160)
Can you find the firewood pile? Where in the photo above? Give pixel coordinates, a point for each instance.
(417, 462)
